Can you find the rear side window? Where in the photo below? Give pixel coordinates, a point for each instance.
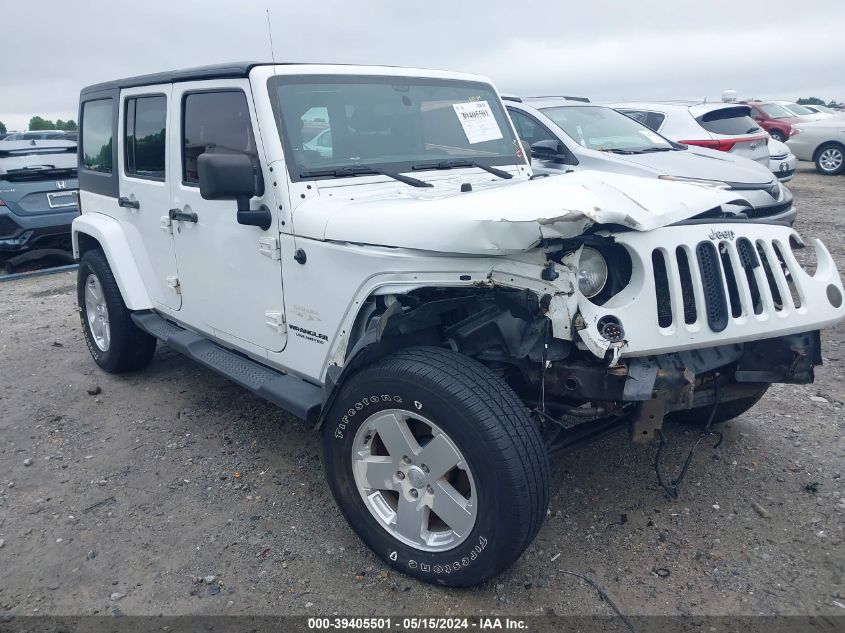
(729, 122)
(145, 128)
(97, 135)
(652, 120)
(215, 122)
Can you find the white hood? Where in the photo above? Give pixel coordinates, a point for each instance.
(499, 218)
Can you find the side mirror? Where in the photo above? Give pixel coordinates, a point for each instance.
(232, 177)
(549, 150)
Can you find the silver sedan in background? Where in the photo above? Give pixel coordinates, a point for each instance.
(822, 142)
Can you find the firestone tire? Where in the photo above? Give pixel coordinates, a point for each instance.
(116, 344)
(442, 407)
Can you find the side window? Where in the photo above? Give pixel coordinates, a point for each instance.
(145, 128)
(528, 129)
(654, 120)
(96, 135)
(215, 122)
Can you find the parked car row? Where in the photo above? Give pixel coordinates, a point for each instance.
(683, 145)
(67, 135)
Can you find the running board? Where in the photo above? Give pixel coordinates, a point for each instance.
(292, 394)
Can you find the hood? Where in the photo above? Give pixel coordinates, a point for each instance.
(707, 164)
(501, 217)
(833, 121)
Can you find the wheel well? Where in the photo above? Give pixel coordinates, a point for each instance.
(825, 145)
(86, 243)
(505, 329)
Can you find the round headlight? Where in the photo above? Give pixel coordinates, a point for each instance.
(592, 272)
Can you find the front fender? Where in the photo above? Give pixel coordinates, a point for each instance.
(109, 234)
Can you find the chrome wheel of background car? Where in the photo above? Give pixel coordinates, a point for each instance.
(414, 480)
(831, 159)
(97, 313)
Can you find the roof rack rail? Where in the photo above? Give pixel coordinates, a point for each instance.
(569, 98)
(511, 98)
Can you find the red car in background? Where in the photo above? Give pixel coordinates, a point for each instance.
(773, 118)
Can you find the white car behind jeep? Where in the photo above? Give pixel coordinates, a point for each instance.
(444, 320)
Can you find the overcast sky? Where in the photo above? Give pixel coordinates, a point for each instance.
(604, 49)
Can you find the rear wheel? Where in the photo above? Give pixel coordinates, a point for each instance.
(830, 159)
(437, 466)
(725, 411)
(115, 342)
(778, 135)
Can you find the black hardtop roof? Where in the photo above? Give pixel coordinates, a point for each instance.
(215, 71)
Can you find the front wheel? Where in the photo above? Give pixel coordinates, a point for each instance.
(437, 465)
(830, 159)
(778, 135)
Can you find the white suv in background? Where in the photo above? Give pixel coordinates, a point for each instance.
(727, 127)
(566, 134)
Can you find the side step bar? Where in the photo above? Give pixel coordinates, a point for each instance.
(292, 394)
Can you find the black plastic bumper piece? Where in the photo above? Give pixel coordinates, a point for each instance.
(294, 395)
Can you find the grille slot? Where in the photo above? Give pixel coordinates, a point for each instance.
(687, 290)
(661, 283)
(730, 278)
(790, 282)
(715, 303)
(770, 276)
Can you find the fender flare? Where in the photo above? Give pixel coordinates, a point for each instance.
(111, 238)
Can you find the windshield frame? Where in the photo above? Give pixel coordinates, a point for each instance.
(295, 169)
(670, 145)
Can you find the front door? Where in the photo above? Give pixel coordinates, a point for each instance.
(145, 188)
(230, 275)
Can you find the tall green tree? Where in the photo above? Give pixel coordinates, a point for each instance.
(2, 127)
(37, 123)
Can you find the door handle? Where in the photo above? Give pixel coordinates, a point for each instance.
(183, 216)
(127, 203)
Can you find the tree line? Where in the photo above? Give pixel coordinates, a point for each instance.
(40, 123)
(817, 101)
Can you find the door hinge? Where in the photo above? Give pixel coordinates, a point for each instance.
(269, 247)
(173, 283)
(275, 320)
(166, 224)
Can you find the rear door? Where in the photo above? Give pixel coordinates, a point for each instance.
(230, 275)
(144, 194)
(735, 131)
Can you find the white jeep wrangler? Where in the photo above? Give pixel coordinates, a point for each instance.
(366, 248)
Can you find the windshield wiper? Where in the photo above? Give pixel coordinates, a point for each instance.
(362, 170)
(658, 149)
(460, 162)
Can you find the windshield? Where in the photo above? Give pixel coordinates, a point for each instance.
(798, 110)
(600, 128)
(776, 111)
(333, 122)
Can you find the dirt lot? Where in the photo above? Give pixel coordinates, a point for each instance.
(117, 493)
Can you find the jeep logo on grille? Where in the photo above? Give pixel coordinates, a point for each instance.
(721, 235)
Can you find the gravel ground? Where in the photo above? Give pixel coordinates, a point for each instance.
(174, 491)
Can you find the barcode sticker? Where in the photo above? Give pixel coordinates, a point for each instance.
(478, 121)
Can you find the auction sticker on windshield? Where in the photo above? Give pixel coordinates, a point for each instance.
(478, 121)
